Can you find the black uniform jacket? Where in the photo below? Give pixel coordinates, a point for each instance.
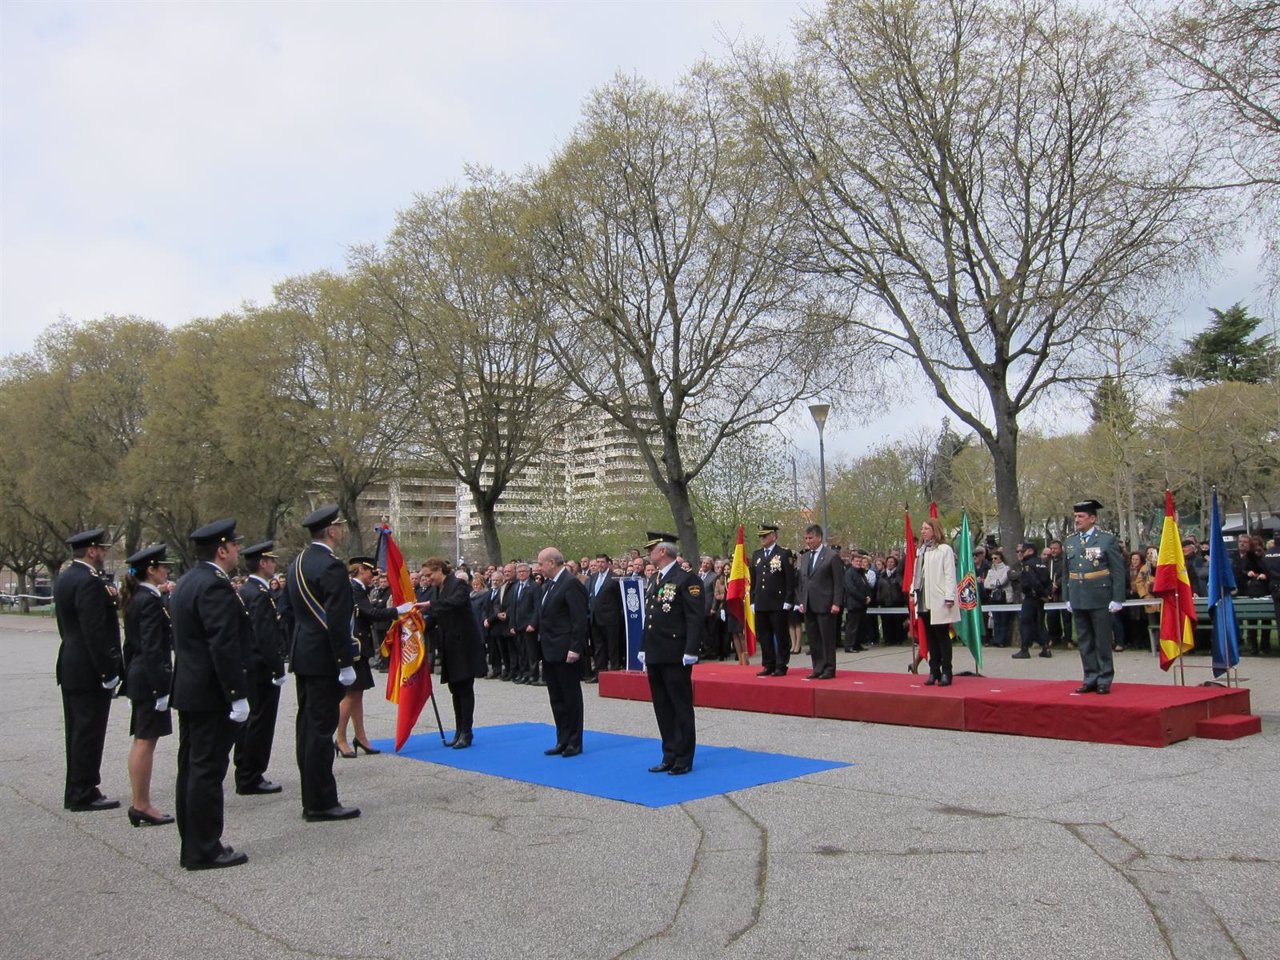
(148, 647)
(372, 620)
(773, 579)
(210, 627)
(89, 654)
(265, 662)
(323, 613)
(674, 617)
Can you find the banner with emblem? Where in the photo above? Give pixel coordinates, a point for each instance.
(1222, 584)
(633, 610)
(1173, 587)
(408, 674)
(968, 596)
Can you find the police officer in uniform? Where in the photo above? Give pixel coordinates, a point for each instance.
(773, 593)
(265, 671)
(323, 654)
(674, 614)
(1036, 586)
(210, 692)
(1093, 586)
(88, 668)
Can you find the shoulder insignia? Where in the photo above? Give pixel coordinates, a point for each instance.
(695, 590)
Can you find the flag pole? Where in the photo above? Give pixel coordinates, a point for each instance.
(439, 725)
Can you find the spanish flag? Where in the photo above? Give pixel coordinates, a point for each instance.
(737, 594)
(1173, 587)
(408, 676)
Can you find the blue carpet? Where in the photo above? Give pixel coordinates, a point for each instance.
(611, 765)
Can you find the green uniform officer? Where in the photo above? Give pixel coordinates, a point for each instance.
(1094, 586)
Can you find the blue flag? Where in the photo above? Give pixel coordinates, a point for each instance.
(1222, 583)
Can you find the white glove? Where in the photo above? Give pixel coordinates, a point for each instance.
(111, 684)
(162, 703)
(239, 710)
(721, 616)
(688, 660)
(405, 607)
(786, 606)
(347, 676)
(1115, 607)
(640, 657)
(1069, 610)
(281, 680)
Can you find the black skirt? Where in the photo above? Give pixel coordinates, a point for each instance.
(364, 675)
(148, 723)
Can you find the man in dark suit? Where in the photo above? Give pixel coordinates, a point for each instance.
(88, 668)
(324, 649)
(562, 635)
(674, 614)
(605, 613)
(857, 598)
(773, 593)
(264, 669)
(210, 691)
(820, 596)
(497, 633)
(1094, 588)
(524, 604)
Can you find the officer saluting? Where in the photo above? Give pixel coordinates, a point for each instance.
(265, 671)
(323, 653)
(673, 626)
(209, 692)
(88, 668)
(1093, 586)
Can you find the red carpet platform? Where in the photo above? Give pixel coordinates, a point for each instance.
(1147, 715)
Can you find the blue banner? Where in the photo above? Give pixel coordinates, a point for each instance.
(1222, 584)
(633, 611)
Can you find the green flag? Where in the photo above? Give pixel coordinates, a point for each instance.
(968, 594)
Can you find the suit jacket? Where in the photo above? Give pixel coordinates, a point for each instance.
(498, 602)
(562, 618)
(857, 592)
(1096, 572)
(674, 617)
(210, 626)
(604, 603)
(708, 591)
(524, 607)
(323, 613)
(148, 647)
(773, 580)
(372, 619)
(821, 580)
(89, 654)
(461, 648)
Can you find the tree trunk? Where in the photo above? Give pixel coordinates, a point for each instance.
(677, 494)
(24, 604)
(488, 510)
(1004, 456)
(347, 507)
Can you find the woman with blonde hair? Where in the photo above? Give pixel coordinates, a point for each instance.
(935, 586)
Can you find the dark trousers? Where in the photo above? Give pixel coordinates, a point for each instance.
(1030, 627)
(712, 637)
(511, 648)
(1093, 638)
(1058, 626)
(939, 646)
(204, 750)
(893, 627)
(606, 638)
(318, 700)
(821, 629)
(532, 655)
(494, 643)
(256, 735)
(775, 638)
(85, 715)
(853, 617)
(463, 693)
(671, 687)
(564, 689)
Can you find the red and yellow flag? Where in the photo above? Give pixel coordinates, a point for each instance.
(737, 594)
(1173, 587)
(408, 676)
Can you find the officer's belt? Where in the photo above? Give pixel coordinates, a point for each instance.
(1091, 576)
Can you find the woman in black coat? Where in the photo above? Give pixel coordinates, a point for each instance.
(148, 662)
(461, 648)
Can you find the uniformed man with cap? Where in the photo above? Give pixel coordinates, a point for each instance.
(264, 670)
(773, 593)
(210, 691)
(673, 624)
(322, 658)
(88, 668)
(1093, 587)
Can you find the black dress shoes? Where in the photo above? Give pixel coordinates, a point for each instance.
(931, 681)
(461, 741)
(227, 858)
(1086, 688)
(814, 676)
(828, 675)
(765, 673)
(780, 672)
(945, 680)
(1103, 690)
(141, 819)
(555, 751)
(570, 751)
(663, 767)
(262, 786)
(679, 770)
(333, 813)
(98, 803)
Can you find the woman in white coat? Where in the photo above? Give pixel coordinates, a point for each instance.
(935, 581)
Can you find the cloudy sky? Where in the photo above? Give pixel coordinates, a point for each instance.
(173, 160)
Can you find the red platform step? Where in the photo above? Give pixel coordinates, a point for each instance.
(1228, 727)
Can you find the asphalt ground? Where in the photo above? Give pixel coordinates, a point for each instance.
(933, 844)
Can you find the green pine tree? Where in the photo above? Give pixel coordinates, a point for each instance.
(1224, 351)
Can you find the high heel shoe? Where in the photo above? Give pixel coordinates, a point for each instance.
(141, 819)
(339, 752)
(357, 746)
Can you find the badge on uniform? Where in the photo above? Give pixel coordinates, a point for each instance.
(695, 590)
(775, 563)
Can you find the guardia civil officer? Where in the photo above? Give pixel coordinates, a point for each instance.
(148, 666)
(1094, 586)
(210, 692)
(264, 669)
(673, 624)
(773, 594)
(323, 653)
(88, 668)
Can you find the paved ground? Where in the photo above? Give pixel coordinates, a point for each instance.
(934, 844)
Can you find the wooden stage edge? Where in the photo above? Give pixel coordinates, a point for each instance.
(1134, 714)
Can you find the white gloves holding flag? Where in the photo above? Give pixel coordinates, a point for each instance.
(405, 607)
(239, 710)
(688, 660)
(347, 676)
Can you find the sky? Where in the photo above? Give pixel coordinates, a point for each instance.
(174, 160)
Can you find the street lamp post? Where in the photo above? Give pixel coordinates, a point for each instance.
(819, 412)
